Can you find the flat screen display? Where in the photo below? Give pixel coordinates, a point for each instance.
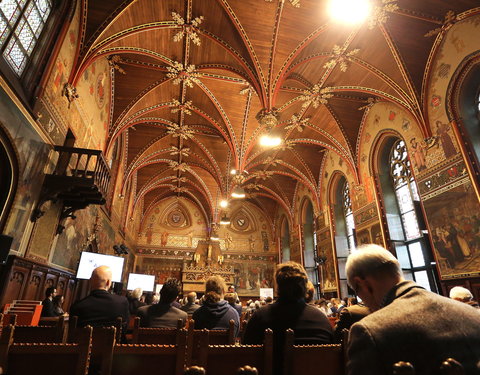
(90, 261)
(137, 280)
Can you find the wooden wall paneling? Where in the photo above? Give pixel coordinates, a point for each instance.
(50, 281)
(26, 279)
(68, 294)
(34, 288)
(62, 285)
(15, 284)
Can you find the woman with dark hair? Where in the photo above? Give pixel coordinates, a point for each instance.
(57, 305)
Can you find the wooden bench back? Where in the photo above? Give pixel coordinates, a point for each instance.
(216, 337)
(159, 336)
(35, 334)
(306, 359)
(227, 359)
(150, 359)
(44, 358)
(73, 324)
(103, 341)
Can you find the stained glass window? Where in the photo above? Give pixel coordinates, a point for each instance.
(405, 189)
(21, 23)
(347, 210)
(411, 250)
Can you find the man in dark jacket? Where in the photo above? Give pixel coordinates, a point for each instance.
(190, 306)
(100, 308)
(215, 313)
(408, 323)
(163, 314)
(310, 325)
(48, 310)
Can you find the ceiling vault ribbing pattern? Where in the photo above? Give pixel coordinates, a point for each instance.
(193, 79)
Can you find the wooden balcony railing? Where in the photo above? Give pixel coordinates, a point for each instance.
(85, 164)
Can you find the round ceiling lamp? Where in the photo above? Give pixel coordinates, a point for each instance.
(225, 220)
(224, 203)
(349, 11)
(268, 140)
(238, 193)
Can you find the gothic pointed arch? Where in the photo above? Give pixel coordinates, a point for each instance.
(176, 215)
(8, 176)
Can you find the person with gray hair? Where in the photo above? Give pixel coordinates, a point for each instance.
(459, 293)
(190, 306)
(407, 323)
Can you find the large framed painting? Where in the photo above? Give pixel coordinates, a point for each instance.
(250, 277)
(454, 221)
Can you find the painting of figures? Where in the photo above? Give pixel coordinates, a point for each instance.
(163, 269)
(250, 277)
(454, 222)
(328, 281)
(73, 239)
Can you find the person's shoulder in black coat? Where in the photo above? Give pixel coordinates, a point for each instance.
(100, 308)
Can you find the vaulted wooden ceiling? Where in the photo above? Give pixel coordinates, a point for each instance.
(196, 81)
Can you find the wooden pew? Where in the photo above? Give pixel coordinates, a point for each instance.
(150, 359)
(159, 336)
(35, 334)
(307, 359)
(44, 358)
(103, 341)
(73, 322)
(227, 359)
(216, 337)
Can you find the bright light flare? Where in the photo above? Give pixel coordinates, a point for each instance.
(349, 11)
(269, 141)
(223, 203)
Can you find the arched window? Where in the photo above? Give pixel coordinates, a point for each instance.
(8, 178)
(477, 104)
(344, 230)
(29, 30)
(348, 213)
(21, 24)
(405, 218)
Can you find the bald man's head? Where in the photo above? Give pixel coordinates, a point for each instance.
(101, 278)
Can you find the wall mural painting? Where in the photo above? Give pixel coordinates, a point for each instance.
(161, 268)
(454, 220)
(105, 236)
(363, 237)
(328, 281)
(74, 238)
(250, 277)
(376, 233)
(27, 143)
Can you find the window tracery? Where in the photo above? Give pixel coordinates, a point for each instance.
(21, 23)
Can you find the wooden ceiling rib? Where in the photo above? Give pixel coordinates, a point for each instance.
(209, 67)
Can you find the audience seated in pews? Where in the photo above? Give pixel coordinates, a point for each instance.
(134, 300)
(190, 306)
(232, 298)
(58, 305)
(215, 313)
(407, 322)
(349, 315)
(163, 314)
(48, 310)
(462, 294)
(100, 308)
(310, 325)
(323, 307)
